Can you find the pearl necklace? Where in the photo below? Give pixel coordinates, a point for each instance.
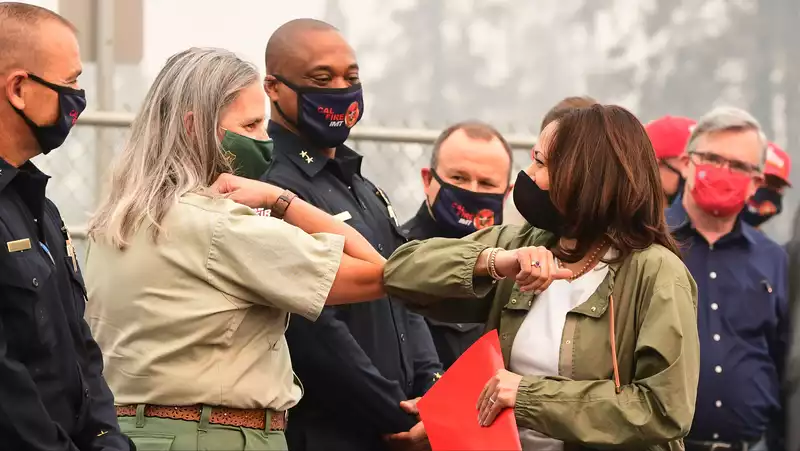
(593, 258)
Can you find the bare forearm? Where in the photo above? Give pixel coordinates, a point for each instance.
(313, 220)
(356, 281)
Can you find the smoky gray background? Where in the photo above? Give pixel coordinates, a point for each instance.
(427, 64)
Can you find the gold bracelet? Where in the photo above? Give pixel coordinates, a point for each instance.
(491, 265)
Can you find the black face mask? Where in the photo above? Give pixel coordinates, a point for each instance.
(325, 115)
(764, 204)
(681, 182)
(71, 103)
(459, 212)
(534, 204)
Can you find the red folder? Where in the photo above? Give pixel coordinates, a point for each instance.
(449, 410)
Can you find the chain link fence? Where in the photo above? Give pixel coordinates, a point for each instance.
(393, 158)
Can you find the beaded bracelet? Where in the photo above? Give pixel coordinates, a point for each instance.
(491, 266)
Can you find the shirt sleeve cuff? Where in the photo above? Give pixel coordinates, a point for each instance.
(526, 407)
(327, 276)
(479, 286)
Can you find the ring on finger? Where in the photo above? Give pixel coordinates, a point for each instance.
(536, 264)
(492, 400)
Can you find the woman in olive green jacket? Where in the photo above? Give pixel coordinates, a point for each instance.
(595, 310)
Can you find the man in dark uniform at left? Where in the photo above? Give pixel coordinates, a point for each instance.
(357, 363)
(465, 186)
(52, 392)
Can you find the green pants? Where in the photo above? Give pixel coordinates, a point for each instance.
(160, 434)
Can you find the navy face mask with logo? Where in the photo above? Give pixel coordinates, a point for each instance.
(71, 103)
(325, 115)
(459, 212)
(764, 204)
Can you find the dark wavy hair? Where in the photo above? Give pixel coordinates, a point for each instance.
(604, 179)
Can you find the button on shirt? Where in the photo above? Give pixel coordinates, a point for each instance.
(52, 392)
(742, 322)
(199, 316)
(367, 356)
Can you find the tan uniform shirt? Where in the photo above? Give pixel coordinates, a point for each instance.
(199, 317)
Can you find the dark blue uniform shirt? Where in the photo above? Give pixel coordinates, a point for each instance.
(52, 392)
(451, 339)
(356, 362)
(743, 326)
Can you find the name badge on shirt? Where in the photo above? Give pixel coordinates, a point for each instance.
(343, 216)
(19, 245)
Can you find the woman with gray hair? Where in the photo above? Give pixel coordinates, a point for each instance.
(190, 292)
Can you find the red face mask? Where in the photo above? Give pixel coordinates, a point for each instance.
(718, 191)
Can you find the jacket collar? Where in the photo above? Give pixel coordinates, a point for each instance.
(307, 157)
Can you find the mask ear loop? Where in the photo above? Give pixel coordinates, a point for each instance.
(672, 168)
(613, 334)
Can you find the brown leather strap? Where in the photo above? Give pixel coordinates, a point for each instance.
(278, 210)
(247, 418)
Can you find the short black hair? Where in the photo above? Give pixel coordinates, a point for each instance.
(475, 130)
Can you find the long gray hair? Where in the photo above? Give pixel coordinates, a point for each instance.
(169, 152)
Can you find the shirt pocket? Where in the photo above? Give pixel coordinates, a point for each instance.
(754, 311)
(23, 280)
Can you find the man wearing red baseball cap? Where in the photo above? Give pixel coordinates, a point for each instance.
(669, 135)
(767, 202)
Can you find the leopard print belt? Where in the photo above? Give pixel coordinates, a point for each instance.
(247, 418)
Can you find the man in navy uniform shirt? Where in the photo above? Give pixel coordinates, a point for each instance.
(52, 392)
(358, 363)
(742, 285)
(465, 186)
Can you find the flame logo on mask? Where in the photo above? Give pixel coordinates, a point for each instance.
(483, 219)
(351, 117)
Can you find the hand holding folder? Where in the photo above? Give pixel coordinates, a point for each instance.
(448, 409)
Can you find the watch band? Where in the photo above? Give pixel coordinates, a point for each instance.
(280, 206)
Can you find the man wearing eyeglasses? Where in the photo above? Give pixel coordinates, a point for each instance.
(742, 287)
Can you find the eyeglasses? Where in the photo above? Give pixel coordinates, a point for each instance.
(719, 161)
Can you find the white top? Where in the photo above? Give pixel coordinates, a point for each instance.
(536, 347)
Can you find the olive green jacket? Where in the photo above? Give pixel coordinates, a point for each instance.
(655, 312)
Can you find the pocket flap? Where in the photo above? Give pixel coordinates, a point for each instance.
(26, 270)
(151, 441)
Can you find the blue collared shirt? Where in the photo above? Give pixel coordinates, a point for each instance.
(742, 319)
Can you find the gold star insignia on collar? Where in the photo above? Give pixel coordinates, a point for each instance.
(304, 154)
(437, 376)
(102, 433)
(309, 160)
